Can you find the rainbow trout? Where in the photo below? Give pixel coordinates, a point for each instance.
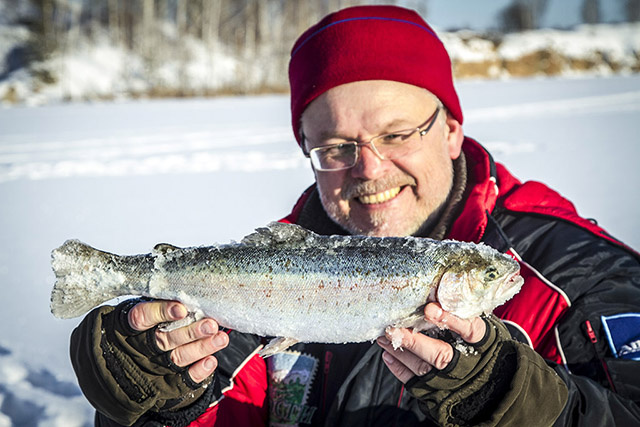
(287, 282)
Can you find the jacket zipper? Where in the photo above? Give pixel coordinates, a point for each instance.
(400, 398)
(327, 364)
(399, 404)
(594, 341)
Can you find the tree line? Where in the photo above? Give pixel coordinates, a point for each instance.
(245, 25)
(257, 33)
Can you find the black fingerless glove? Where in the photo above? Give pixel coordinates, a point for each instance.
(495, 381)
(124, 374)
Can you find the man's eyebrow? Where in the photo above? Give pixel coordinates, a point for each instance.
(396, 124)
(330, 135)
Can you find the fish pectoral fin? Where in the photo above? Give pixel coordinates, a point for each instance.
(191, 317)
(416, 322)
(277, 345)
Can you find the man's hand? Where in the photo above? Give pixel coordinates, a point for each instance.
(419, 353)
(127, 367)
(192, 345)
(490, 379)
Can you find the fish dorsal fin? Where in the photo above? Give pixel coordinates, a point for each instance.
(281, 235)
(164, 249)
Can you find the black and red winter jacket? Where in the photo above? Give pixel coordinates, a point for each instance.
(574, 271)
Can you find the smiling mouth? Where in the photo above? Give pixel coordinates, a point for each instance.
(383, 196)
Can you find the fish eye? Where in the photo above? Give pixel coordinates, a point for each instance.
(491, 273)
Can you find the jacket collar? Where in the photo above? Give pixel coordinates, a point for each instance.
(481, 195)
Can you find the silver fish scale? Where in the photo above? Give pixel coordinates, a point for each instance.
(346, 260)
(293, 291)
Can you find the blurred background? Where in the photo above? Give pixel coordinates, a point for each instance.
(110, 49)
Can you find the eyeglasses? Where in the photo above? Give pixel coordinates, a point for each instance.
(344, 155)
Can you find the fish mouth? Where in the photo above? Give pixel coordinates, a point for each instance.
(380, 197)
(511, 284)
(515, 280)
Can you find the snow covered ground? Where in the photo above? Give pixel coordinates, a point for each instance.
(124, 176)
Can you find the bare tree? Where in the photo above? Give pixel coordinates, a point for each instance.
(522, 15)
(113, 12)
(590, 11)
(632, 10)
(147, 36)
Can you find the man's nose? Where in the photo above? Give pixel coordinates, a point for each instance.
(369, 164)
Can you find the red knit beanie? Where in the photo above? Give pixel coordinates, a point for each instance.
(369, 43)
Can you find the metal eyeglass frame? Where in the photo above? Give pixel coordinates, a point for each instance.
(315, 160)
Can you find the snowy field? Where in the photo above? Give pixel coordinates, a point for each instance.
(125, 176)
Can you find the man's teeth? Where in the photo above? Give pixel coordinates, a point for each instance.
(381, 197)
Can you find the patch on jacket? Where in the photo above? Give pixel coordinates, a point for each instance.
(291, 375)
(623, 334)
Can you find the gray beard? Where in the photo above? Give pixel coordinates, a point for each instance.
(437, 221)
(379, 220)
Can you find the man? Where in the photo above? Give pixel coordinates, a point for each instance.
(375, 109)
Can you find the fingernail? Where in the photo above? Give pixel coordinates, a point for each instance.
(384, 341)
(178, 311)
(208, 364)
(387, 357)
(207, 328)
(433, 311)
(220, 339)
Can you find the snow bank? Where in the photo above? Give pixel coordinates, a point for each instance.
(588, 50)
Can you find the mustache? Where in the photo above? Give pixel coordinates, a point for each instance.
(353, 189)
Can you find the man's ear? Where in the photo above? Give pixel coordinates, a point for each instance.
(454, 135)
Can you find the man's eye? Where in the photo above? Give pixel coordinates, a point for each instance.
(394, 138)
(337, 150)
(332, 150)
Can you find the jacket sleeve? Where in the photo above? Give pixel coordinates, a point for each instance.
(599, 278)
(495, 382)
(603, 388)
(237, 397)
(589, 403)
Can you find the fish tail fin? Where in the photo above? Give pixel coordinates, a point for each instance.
(86, 278)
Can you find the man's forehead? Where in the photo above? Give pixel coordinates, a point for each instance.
(370, 86)
(377, 104)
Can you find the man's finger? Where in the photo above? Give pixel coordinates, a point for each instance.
(403, 357)
(470, 330)
(146, 315)
(192, 352)
(417, 351)
(169, 340)
(397, 368)
(200, 370)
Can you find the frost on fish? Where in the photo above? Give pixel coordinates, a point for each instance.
(285, 281)
(86, 278)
